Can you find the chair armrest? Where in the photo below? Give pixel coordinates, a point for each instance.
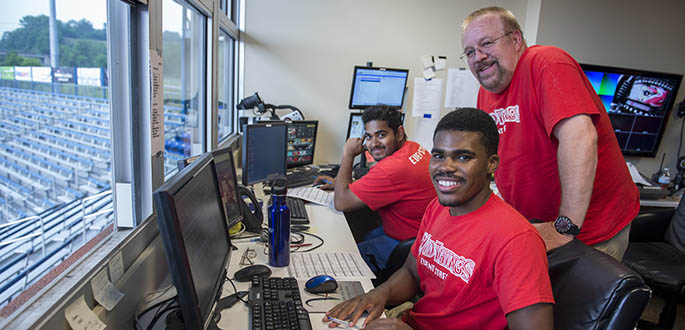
(651, 226)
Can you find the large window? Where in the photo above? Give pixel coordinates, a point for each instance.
(225, 80)
(55, 141)
(62, 151)
(185, 45)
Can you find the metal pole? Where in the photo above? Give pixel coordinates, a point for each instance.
(42, 234)
(54, 47)
(83, 216)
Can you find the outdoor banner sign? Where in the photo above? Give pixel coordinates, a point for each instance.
(88, 76)
(41, 74)
(7, 72)
(63, 75)
(22, 73)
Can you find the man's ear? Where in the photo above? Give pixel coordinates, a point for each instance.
(493, 163)
(517, 38)
(400, 133)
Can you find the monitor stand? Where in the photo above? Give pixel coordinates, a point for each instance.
(174, 321)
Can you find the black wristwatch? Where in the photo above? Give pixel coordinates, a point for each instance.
(564, 225)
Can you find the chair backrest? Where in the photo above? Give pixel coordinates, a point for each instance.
(675, 234)
(593, 290)
(395, 261)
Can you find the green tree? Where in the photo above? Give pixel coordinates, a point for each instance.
(80, 44)
(12, 59)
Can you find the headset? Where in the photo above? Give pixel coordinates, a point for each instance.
(252, 219)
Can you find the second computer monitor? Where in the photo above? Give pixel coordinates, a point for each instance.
(301, 142)
(263, 151)
(355, 127)
(228, 184)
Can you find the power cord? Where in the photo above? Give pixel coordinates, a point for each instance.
(314, 247)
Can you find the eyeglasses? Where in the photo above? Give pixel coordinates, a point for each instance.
(470, 53)
(246, 259)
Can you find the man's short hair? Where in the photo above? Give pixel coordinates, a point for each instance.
(471, 120)
(392, 117)
(509, 21)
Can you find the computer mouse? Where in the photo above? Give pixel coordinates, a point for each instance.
(321, 284)
(246, 274)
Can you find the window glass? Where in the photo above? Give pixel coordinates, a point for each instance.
(184, 44)
(225, 80)
(55, 169)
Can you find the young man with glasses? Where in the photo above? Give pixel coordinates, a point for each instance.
(560, 161)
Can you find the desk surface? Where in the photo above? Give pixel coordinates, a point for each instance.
(664, 202)
(326, 223)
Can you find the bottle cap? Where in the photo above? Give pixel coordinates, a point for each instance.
(279, 186)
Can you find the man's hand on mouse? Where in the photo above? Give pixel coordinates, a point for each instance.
(324, 182)
(372, 302)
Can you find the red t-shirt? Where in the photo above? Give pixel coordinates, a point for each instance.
(548, 85)
(398, 187)
(476, 268)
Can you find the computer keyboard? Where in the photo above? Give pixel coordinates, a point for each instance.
(336, 264)
(301, 177)
(275, 303)
(298, 213)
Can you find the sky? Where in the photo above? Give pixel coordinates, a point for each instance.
(12, 11)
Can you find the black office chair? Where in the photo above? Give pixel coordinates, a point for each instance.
(657, 251)
(395, 261)
(593, 290)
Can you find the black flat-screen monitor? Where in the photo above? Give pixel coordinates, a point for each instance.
(638, 102)
(378, 86)
(227, 179)
(190, 216)
(301, 142)
(263, 151)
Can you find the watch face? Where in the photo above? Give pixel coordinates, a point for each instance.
(563, 224)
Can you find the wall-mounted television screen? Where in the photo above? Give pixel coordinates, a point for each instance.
(638, 102)
(378, 86)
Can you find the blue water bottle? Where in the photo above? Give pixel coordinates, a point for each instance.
(279, 224)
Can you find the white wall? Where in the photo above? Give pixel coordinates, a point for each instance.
(302, 52)
(647, 35)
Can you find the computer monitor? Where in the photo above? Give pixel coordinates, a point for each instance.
(263, 151)
(638, 102)
(355, 127)
(301, 142)
(228, 182)
(191, 223)
(378, 86)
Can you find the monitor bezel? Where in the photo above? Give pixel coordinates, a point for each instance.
(668, 107)
(177, 257)
(316, 132)
(245, 145)
(354, 80)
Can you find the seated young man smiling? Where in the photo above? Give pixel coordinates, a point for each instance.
(479, 263)
(398, 187)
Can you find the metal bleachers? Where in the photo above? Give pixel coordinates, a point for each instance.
(55, 191)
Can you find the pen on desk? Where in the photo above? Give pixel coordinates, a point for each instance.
(343, 323)
(326, 181)
(301, 245)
